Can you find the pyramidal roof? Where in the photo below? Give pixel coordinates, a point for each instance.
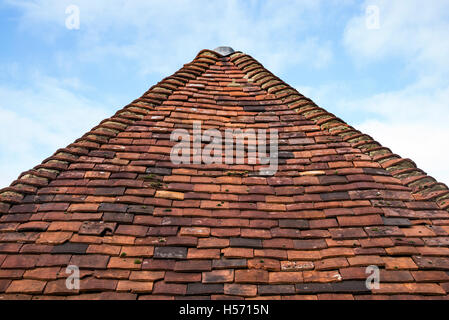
(136, 225)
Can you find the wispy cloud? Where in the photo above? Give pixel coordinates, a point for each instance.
(161, 34)
(412, 30)
(411, 120)
(36, 121)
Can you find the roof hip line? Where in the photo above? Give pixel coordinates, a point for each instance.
(424, 187)
(41, 175)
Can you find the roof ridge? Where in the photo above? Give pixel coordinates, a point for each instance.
(29, 182)
(424, 187)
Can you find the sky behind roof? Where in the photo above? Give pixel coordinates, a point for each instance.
(382, 66)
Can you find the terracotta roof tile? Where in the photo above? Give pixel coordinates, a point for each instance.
(141, 227)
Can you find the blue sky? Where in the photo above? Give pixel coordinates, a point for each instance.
(390, 81)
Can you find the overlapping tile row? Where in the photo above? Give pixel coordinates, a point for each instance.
(140, 227)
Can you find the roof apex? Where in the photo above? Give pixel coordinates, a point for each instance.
(224, 51)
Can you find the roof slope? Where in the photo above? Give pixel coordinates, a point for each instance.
(138, 226)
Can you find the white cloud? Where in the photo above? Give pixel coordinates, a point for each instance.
(419, 103)
(425, 144)
(159, 35)
(411, 121)
(39, 119)
(412, 30)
